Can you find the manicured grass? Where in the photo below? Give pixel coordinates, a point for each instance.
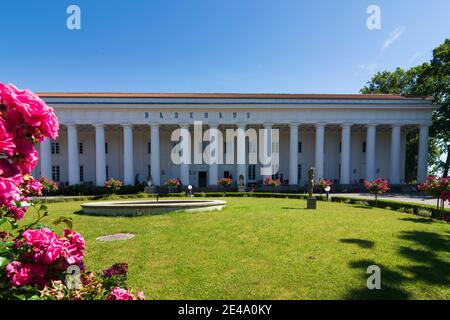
(273, 249)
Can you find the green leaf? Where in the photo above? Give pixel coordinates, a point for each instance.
(3, 220)
(43, 207)
(14, 224)
(3, 261)
(65, 220)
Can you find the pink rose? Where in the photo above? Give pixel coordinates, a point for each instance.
(39, 237)
(140, 295)
(20, 275)
(119, 294)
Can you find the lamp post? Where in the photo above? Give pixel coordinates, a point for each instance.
(190, 190)
(327, 190)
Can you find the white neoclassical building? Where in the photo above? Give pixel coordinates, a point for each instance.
(128, 136)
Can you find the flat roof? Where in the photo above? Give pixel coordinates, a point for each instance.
(226, 95)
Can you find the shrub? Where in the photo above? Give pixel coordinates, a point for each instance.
(48, 186)
(438, 188)
(225, 182)
(113, 185)
(274, 183)
(34, 261)
(377, 186)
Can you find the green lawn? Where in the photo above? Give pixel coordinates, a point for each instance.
(273, 249)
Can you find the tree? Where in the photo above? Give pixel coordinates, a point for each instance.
(428, 79)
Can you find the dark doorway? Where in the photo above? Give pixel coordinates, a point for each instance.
(226, 174)
(202, 179)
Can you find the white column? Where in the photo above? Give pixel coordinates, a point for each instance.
(267, 141)
(46, 158)
(422, 165)
(345, 153)
(319, 156)
(72, 154)
(186, 158)
(213, 169)
(128, 166)
(293, 154)
(395, 154)
(154, 155)
(370, 151)
(100, 157)
(241, 153)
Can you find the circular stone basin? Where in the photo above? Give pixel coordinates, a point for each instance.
(146, 207)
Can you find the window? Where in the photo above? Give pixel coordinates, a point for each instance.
(234, 115)
(55, 147)
(80, 148)
(364, 146)
(106, 147)
(55, 173)
(107, 173)
(81, 173)
(299, 172)
(252, 172)
(340, 146)
(299, 147)
(149, 147)
(149, 170)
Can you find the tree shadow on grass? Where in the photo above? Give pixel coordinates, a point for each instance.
(366, 244)
(361, 206)
(429, 267)
(418, 220)
(424, 265)
(391, 282)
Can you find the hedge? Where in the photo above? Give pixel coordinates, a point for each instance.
(408, 207)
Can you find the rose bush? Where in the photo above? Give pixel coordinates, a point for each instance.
(274, 183)
(376, 187)
(438, 188)
(323, 183)
(34, 259)
(113, 185)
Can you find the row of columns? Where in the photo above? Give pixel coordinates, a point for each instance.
(345, 155)
(100, 157)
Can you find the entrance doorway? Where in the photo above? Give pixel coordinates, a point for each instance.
(202, 179)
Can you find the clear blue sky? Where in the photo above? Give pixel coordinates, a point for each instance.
(214, 45)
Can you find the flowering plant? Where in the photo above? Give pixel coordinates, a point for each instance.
(323, 183)
(48, 185)
(274, 183)
(113, 185)
(438, 188)
(34, 260)
(377, 186)
(172, 183)
(225, 182)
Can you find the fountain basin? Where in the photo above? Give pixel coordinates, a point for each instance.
(148, 207)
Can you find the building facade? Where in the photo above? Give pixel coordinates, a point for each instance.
(347, 138)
